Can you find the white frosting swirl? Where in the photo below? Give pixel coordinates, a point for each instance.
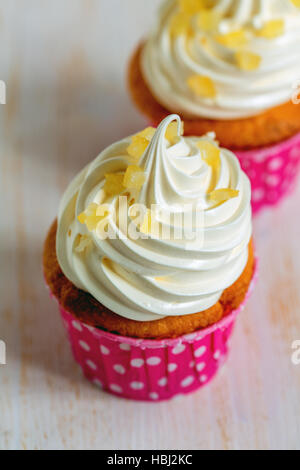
(146, 279)
(168, 62)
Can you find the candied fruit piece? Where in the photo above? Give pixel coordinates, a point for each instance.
(191, 6)
(208, 20)
(97, 216)
(82, 243)
(172, 131)
(180, 24)
(113, 183)
(147, 133)
(233, 39)
(210, 153)
(137, 147)
(247, 60)
(272, 29)
(91, 209)
(92, 222)
(202, 86)
(222, 195)
(82, 217)
(296, 3)
(93, 215)
(102, 211)
(134, 177)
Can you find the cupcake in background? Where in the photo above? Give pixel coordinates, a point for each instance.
(151, 260)
(231, 67)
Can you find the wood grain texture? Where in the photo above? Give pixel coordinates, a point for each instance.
(64, 65)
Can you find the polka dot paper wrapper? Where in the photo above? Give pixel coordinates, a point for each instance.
(272, 171)
(150, 370)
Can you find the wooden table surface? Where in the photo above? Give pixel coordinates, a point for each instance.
(64, 63)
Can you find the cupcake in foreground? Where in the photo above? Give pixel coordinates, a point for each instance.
(231, 67)
(151, 259)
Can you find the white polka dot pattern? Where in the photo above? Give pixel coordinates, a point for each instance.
(91, 364)
(104, 350)
(84, 345)
(217, 355)
(163, 382)
(200, 366)
(119, 369)
(77, 325)
(272, 171)
(153, 396)
(116, 388)
(98, 383)
(187, 381)
(179, 348)
(200, 351)
(172, 367)
(125, 347)
(137, 385)
(153, 361)
(141, 371)
(137, 362)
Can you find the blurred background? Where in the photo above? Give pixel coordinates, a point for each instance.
(64, 65)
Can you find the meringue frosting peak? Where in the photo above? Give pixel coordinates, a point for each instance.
(175, 178)
(223, 59)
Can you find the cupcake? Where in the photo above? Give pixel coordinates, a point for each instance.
(151, 259)
(231, 67)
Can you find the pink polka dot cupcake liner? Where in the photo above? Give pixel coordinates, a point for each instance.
(150, 370)
(272, 172)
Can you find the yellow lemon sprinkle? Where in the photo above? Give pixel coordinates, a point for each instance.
(208, 20)
(137, 147)
(210, 153)
(296, 3)
(93, 215)
(147, 133)
(134, 177)
(247, 60)
(272, 29)
(172, 131)
(102, 211)
(191, 7)
(202, 86)
(233, 39)
(113, 183)
(222, 195)
(180, 24)
(81, 218)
